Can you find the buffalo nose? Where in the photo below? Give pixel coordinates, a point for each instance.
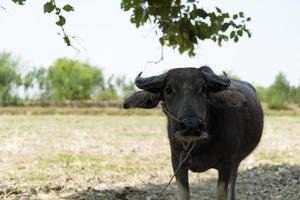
(192, 122)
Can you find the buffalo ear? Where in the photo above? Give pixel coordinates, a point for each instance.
(142, 99)
(227, 98)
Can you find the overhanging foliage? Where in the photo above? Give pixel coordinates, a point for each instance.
(183, 23)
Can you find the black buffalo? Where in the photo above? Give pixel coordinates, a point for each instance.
(223, 118)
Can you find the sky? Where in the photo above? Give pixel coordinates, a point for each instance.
(107, 39)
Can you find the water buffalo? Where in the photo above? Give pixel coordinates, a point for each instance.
(222, 117)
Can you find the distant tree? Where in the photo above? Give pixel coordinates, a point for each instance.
(295, 94)
(73, 80)
(10, 78)
(37, 80)
(109, 91)
(68, 79)
(115, 88)
(125, 87)
(278, 92)
(182, 23)
(261, 92)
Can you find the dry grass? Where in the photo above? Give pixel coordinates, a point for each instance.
(127, 157)
(113, 111)
(76, 111)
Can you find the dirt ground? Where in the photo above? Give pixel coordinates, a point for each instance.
(128, 158)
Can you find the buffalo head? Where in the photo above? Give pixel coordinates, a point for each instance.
(186, 94)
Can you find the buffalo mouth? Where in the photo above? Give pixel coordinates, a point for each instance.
(191, 137)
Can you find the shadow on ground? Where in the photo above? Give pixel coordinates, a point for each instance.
(267, 182)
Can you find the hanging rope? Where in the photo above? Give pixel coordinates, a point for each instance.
(181, 161)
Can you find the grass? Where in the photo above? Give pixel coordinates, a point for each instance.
(75, 111)
(115, 111)
(75, 156)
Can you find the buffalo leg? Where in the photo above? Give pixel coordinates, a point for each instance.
(232, 181)
(182, 180)
(227, 177)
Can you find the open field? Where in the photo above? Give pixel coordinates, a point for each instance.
(294, 110)
(127, 157)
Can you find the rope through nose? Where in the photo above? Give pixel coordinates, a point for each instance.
(170, 114)
(202, 121)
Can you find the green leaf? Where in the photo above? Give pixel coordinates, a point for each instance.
(240, 32)
(248, 32)
(232, 34)
(61, 21)
(235, 16)
(191, 53)
(226, 15)
(236, 39)
(218, 10)
(68, 8)
(225, 37)
(225, 27)
(126, 5)
(214, 38)
(241, 14)
(162, 40)
(67, 40)
(49, 7)
(181, 49)
(20, 2)
(202, 13)
(248, 19)
(220, 41)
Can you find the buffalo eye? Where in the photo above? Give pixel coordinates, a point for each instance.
(169, 91)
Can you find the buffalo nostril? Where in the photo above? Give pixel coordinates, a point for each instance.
(193, 123)
(182, 125)
(201, 125)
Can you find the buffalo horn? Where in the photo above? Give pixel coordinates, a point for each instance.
(152, 83)
(214, 81)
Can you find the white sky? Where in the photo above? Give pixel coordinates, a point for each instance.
(110, 41)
